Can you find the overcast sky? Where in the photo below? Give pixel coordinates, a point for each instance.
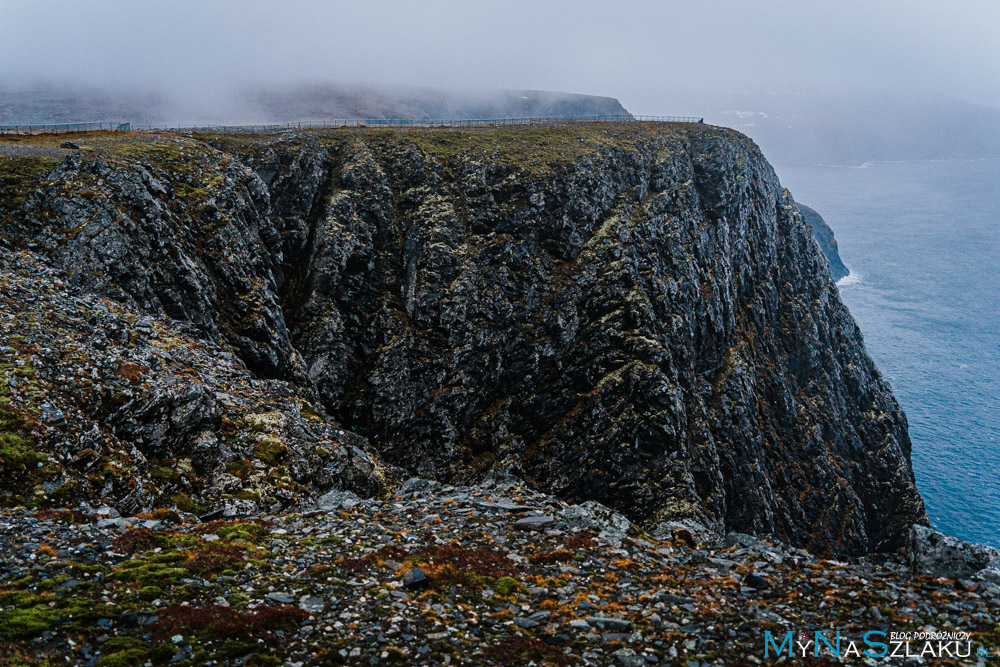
(643, 52)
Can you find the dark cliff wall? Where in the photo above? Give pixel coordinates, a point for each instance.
(632, 313)
(824, 237)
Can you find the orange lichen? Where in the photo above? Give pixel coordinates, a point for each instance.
(131, 373)
(65, 516)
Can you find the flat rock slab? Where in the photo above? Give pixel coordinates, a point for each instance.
(312, 603)
(500, 506)
(608, 623)
(534, 522)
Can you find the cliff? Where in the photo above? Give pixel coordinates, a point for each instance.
(824, 237)
(630, 313)
(284, 104)
(331, 102)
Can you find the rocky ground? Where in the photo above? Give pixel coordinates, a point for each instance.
(199, 337)
(497, 574)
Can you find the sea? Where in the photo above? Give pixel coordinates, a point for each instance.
(922, 242)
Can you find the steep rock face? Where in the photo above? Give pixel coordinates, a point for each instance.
(824, 237)
(100, 403)
(630, 313)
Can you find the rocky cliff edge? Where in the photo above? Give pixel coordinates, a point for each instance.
(630, 313)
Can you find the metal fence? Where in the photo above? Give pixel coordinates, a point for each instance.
(410, 122)
(342, 122)
(52, 128)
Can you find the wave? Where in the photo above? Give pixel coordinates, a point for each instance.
(872, 163)
(863, 165)
(850, 280)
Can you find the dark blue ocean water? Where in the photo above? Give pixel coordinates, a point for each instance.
(922, 240)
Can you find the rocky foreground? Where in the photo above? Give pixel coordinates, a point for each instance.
(496, 574)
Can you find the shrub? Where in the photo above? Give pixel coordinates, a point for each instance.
(522, 651)
(214, 558)
(220, 622)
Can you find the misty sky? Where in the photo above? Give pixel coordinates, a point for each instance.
(644, 52)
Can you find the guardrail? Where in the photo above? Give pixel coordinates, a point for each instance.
(411, 122)
(51, 128)
(341, 122)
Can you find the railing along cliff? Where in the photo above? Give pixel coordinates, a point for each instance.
(342, 122)
(53, 128)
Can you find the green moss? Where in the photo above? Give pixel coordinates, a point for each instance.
(84, 570)
(309, 412)
(18, 456)
(25, 623)
(24, 581)
(237, 600)
(28, 614)
(180, 159)
(186, 191)
(247, 531)
(52, 584)
(270, 449)
(148, 574)
(116, 644)
(234, 649)
(184, 503)
(65, 492)
(164, 473)
(20, 176)
(240, 468)
(535, 150)
(150, 593)
(18, 459)
(506, 586)
(136, 655)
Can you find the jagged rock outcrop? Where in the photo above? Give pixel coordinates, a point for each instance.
(824, 237)
(630, 313)
(102, 404)
(940, 555)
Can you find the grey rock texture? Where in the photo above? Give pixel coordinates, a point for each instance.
(824, 237)
(939, 555)
(631, 313)
(151, 416)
